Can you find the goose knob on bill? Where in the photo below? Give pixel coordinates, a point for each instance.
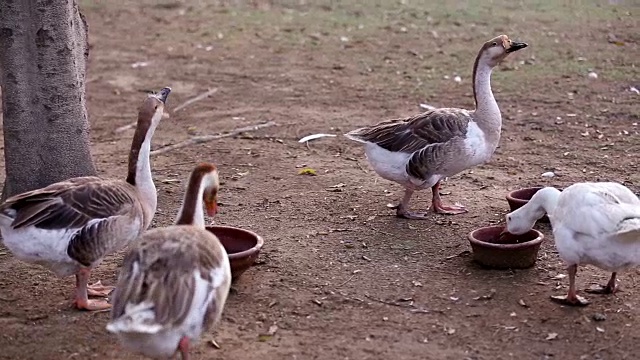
(418, 152)
(70, 226)
(175, 280)
(593, 223)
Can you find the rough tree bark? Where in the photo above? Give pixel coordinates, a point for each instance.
(43, 57)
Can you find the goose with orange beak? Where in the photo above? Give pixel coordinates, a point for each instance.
(174, 283)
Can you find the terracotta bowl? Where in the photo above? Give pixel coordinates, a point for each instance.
(503, 252)
(243, 247)
(517, 199)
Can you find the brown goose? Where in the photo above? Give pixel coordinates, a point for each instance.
(175, 281)
(418, 152)
(70, 226)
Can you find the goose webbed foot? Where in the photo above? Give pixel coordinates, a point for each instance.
(610, 288)
(439, 208)
(81, 296)
(572, 298)
(575, 300)
(402, 209)
(97, 289)
(406, 214)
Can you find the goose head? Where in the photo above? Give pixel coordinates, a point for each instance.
(211, 185)
(497, 49)
(202, 189)
(521, 220)
(153, 106)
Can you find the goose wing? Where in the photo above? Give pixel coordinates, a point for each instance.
(416, 133)
(596, 211)
(88, 207)
(70, 204)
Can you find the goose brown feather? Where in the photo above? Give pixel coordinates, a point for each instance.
(146, 277)
(418, 152)
(175, 280)
(70, 226)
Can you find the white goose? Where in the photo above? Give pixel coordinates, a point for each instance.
(593, 223)
(175, 281)
(418, 152)
(70, 226)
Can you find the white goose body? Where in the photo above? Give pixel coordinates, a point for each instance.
(418, 152)
(598, 224)
(70, 226)
(175, 281)
(593, 223)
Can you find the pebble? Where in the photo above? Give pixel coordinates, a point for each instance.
(599, 317)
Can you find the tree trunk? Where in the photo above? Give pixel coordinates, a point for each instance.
(43, 57)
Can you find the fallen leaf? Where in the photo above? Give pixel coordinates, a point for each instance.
(269, 334)
(307, 171)
(213, 343)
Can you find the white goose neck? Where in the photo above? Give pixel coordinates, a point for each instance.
(487, 113)
(545, 200)
(144, 177)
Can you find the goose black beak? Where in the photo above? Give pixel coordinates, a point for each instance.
(515, 46)
(162, 94)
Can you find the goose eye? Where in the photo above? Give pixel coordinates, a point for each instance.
(508, 218)
(156, 107)
(494, 44)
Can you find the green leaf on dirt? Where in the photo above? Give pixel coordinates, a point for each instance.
(307, 171)
(269, 334)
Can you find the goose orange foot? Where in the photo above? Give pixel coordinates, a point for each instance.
(572, 298)
(183, 348)
(82, 291)
(439, 208)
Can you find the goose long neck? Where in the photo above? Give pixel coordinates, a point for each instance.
(487, 113)
(191, 212)
(139, 174)
(545, 200)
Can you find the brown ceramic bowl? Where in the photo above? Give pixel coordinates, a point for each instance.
(243, 247)
(504, 252)
(518, 198)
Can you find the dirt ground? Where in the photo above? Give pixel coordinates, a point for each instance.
(340, 276)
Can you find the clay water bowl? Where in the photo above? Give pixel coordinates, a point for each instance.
(518, 198)
(508, 251)
(243, 247)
